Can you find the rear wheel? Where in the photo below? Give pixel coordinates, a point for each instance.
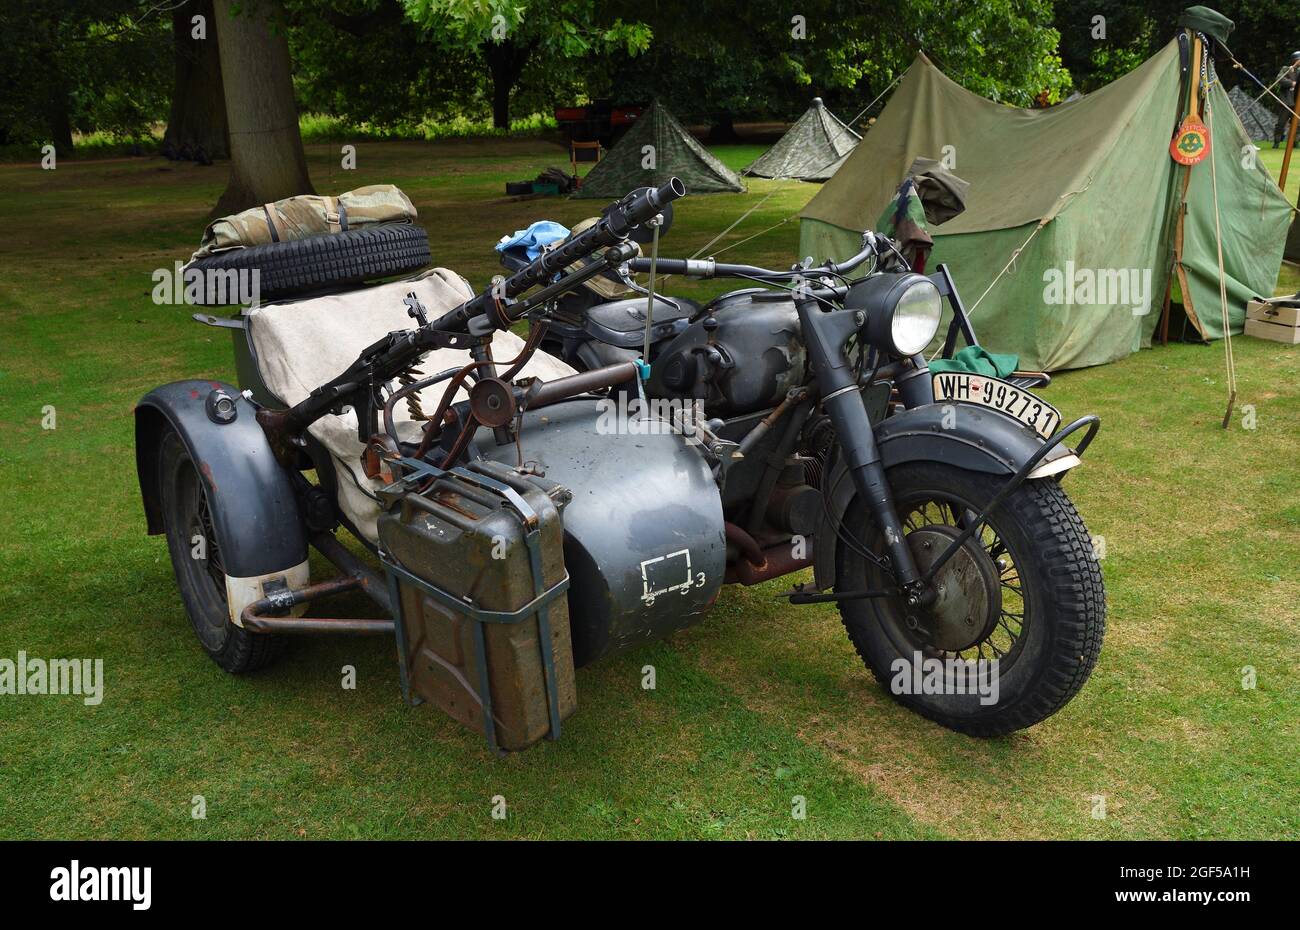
(196, 559)
(1022, 601)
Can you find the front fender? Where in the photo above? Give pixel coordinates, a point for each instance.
(254, 509)
(962, 435)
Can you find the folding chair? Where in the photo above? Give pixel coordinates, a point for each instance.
(592, 151)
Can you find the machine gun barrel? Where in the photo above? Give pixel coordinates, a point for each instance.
(610, 229)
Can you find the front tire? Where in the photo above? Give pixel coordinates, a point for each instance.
(196, 559)
(1027, 591)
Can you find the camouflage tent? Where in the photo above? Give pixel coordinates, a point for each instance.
(811, 150)
(656, 148)
(1255, 117)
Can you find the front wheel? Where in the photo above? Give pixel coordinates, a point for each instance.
(1019, 611)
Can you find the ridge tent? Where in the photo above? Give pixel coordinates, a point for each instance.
(1079, 202)
(675, 152)
(1255, 118)
(810, 150)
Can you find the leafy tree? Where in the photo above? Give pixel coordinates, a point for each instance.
(365, 62)
(80, 65)
(1262, 40)
(508, 35)
(715, 60)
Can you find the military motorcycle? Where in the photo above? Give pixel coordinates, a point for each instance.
(529, 525)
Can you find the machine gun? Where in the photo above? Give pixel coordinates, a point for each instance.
(468, 326)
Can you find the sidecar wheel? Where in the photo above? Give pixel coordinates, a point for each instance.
(196, 560)
(1025, 592)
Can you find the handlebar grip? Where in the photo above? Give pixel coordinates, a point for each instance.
(683, 266)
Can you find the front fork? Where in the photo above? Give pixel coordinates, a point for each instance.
(825, 333)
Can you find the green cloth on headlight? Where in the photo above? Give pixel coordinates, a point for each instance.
(978, 360)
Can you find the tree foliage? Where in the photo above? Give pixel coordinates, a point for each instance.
(85, 65)
(768, 58)
(509, 36)
(81, 65)
(1262, 40)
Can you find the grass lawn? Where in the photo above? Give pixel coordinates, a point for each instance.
(761, 703)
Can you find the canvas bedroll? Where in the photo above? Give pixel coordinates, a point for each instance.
(307, 215)
(1081, 204)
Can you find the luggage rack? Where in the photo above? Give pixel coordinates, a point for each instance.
(417, 471)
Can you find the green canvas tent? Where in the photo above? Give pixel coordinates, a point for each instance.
(1080, 203)
(655, 149)
(811, 150)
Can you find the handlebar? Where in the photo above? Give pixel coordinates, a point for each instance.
(611, 229)
(708, 268)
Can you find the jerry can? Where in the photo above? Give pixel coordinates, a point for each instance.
(475, 560)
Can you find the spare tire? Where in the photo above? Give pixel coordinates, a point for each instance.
(302, 265)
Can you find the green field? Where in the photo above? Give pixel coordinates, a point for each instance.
(758, 705)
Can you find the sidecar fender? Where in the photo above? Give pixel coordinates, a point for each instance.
(963, 435)
(254, 510)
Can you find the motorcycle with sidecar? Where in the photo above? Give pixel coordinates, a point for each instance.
(528, 516)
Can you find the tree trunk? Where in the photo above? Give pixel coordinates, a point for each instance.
(60, 122)
(58, 106)
(267, 158)
(505, 62)
(500, 104)
(197, 122)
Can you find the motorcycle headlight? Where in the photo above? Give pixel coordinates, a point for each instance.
(903, 311)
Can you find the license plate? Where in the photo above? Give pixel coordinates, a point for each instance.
(1000, 395)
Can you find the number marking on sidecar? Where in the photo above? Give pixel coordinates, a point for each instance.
(1015, 402)
(666, 571)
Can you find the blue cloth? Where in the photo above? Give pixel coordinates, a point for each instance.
(539, 234)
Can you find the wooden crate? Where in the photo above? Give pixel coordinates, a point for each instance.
(1273, 321)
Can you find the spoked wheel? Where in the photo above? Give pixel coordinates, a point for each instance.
(196, 559)
(1016, 624)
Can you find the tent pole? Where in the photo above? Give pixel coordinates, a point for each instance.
(1290, 139)
(1164, 313)
(1230, 362)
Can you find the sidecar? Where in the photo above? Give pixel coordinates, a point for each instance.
(496, 579)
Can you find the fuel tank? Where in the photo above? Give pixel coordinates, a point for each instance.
(743, 355)
(644, 542)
